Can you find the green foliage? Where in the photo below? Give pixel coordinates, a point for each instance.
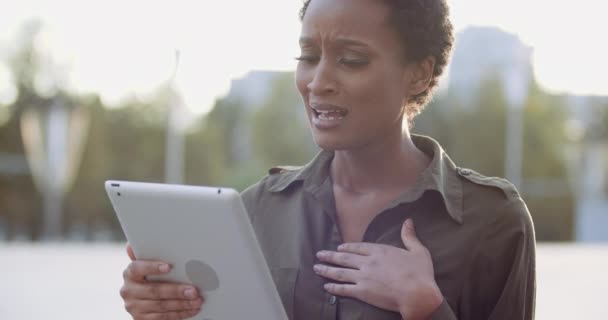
(474, 136)
(280, 130)
(236, 142)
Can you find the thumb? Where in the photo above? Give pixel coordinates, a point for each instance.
(408, 235)
(130, 252)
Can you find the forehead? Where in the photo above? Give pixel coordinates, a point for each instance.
(365, 20)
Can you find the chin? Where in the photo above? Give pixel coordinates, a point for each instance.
(331, 142)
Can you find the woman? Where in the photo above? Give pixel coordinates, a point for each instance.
(380, 224)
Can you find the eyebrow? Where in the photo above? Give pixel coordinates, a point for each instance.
(341, 41)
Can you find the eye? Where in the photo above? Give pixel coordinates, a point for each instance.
(353, 62)
(310, 59)
(353, 58)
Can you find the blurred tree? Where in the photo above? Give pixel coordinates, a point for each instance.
(549, 196)
(20, 203)
(280, 131)
(474, 136)
(125, 143)
(237, 142)
(465, 131)
(209, 157)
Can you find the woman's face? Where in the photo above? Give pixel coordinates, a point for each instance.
(352, 75)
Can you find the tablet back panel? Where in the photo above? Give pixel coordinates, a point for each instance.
(206, 235)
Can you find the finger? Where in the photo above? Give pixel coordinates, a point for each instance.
(163, 306)
(179, 315)
(139, 269)
(159, 291)
(361, 248)
(408, 236)
(346, 259)
(130, 252)
(338, 274)
(345, 290)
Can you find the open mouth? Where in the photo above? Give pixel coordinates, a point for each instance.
(329, 114)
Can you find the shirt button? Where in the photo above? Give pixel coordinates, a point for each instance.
(465, 172)
(332, 300)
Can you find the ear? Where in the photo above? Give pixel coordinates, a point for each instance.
(420, 75)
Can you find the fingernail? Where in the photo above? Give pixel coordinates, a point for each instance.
(189, 293)
(326, 286)
(321, 254)
(317, 268)
(409, 223)
(163, 268)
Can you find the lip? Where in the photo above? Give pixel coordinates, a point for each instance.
(327, 107)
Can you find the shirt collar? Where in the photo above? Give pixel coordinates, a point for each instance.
(441, 175)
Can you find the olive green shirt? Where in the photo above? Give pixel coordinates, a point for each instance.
(477, 229)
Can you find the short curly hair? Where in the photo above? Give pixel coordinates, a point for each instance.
(426, 30)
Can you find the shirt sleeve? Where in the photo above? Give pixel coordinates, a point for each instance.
(502, 280)
(512, 244)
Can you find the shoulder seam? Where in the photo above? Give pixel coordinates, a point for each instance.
(504, 185)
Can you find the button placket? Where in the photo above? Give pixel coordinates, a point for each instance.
(330, 310)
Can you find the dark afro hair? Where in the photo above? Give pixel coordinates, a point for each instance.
(426, 30)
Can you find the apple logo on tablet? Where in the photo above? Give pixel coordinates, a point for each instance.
(202, 275)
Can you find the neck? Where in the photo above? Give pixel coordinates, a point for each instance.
(394, 163)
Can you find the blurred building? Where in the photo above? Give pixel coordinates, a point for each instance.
(592, 195)
(483, 53)
(254, 88)
(589, 167)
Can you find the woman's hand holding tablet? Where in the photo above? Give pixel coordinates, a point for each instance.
(156, 300)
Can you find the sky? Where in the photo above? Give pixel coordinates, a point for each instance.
(124, 48)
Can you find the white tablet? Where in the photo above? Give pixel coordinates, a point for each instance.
(206, 235)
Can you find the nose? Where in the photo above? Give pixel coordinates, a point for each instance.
(323, 80)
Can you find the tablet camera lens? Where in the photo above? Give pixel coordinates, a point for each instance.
(118, 193)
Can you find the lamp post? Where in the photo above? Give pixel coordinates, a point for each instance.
(54, 139)
(174, 149)
(516, 81)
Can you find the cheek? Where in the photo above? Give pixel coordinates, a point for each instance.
(302, 81)
(379, 92)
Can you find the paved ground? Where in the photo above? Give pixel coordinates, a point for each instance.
(81, 281)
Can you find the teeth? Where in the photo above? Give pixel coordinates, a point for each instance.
(330, 115)
(328, 111)
(324, 116)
